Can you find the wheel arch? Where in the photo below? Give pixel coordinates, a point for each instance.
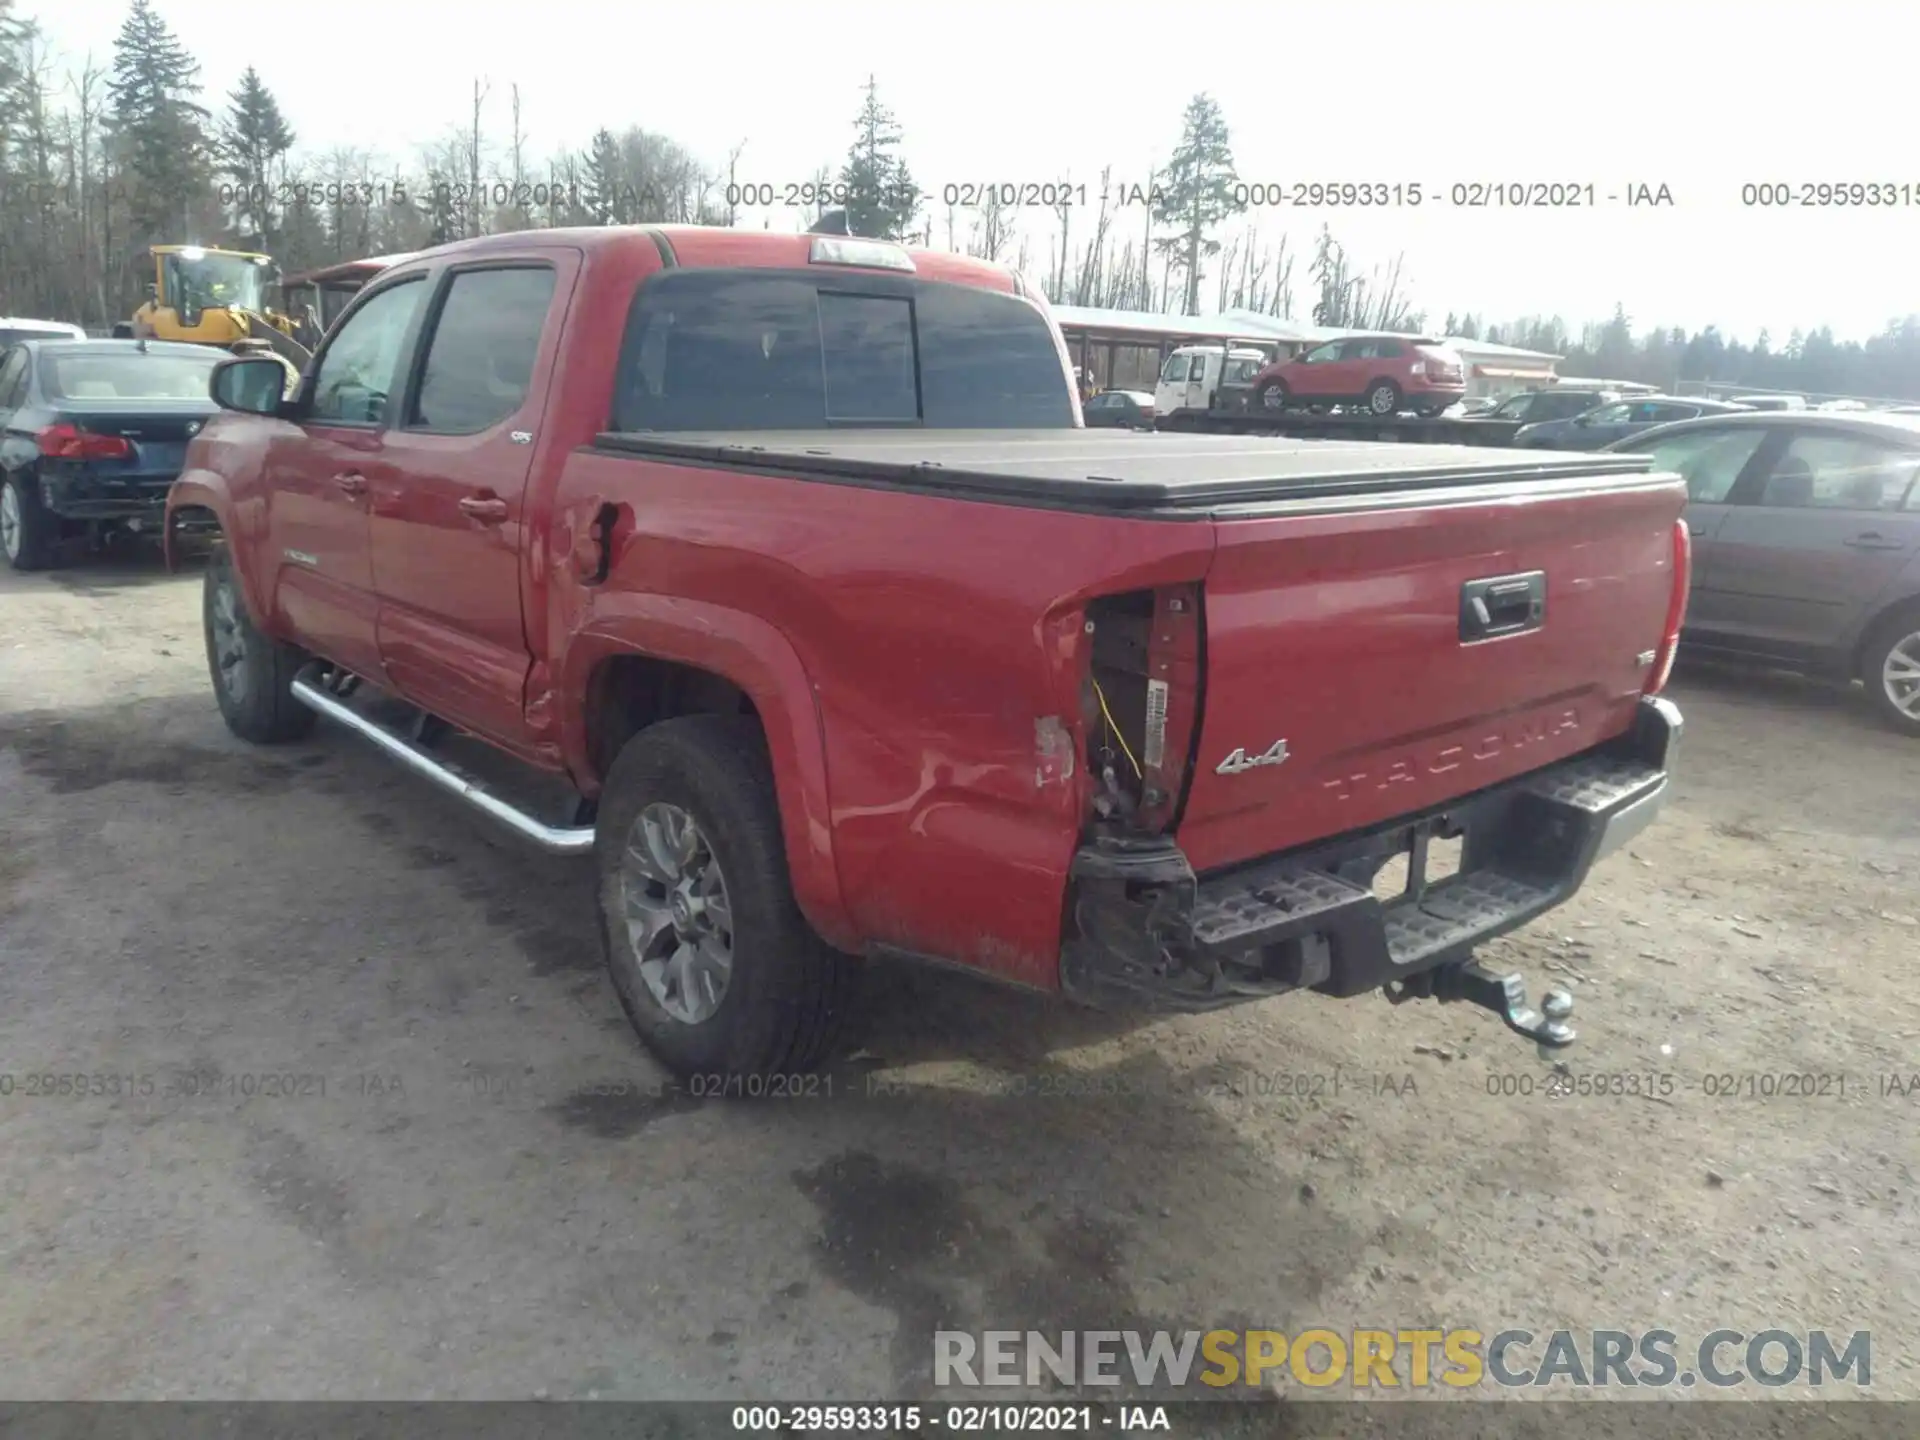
(645, 658)
(1907, 600)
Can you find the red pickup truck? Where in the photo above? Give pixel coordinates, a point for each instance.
(791, 554)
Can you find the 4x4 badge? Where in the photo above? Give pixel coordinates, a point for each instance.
(1239, 760)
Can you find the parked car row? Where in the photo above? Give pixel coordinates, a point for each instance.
(1602, 425)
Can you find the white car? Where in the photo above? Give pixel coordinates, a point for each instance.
(12, 331)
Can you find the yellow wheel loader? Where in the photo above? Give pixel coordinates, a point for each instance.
(214, 297)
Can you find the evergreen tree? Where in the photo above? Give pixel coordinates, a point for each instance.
(881, 199)
(443, 225)
(157, 124)
(606, 194)
(253, 138)
(1198, 193)
(14, 33)
(1613, 348)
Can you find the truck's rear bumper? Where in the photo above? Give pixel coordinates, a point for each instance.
(1148, 932)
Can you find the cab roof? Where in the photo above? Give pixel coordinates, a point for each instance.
(718, 247)
(207, 250)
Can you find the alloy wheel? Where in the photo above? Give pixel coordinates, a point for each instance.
(10, 522)
(229, 642)
(679, 918)
(1900, 676)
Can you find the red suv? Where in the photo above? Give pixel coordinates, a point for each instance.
(1386, 373)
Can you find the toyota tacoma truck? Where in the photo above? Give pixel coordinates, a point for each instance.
(790, 555)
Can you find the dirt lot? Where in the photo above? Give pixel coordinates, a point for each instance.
(491, 1200)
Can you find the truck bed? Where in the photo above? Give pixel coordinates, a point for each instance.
(1147, 474)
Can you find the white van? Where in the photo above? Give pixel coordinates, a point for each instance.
(1194, 376)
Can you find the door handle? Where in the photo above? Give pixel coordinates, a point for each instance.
(352, 482)
(487, 509)
(1874, 540)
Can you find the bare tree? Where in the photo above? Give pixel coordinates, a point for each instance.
(517, 214)
(1096, 253)
(475, 209)
(994, 231)
(1146, 244)
(733, 181)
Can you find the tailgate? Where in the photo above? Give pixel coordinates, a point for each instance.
(1353, 637)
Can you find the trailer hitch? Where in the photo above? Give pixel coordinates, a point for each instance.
(1505, 995)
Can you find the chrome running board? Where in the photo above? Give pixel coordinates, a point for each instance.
(554, 839)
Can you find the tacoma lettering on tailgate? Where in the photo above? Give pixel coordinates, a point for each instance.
(1451, 756)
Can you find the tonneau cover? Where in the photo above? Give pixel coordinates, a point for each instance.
(1120, 471)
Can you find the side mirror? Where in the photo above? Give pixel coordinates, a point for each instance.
(252, 384)
(153, 291)
(1582, 420)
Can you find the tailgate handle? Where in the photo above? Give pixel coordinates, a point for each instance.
(1502, 605)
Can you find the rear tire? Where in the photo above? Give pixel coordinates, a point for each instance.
(27, 532)
(252, 674)
(1383, 398)
(1891, 669)
(689, 811)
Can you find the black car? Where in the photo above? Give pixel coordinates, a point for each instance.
(1617, 421)
(1535, 406)
(92, 432)
(1131, 409)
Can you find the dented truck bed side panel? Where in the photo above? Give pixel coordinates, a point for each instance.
(945, 647)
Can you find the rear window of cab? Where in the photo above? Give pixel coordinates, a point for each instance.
(784, 350)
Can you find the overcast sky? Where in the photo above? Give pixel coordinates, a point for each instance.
(1699, 96)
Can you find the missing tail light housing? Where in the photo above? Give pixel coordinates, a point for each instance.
(1676, 609)
(70, 442)
(1141, 704)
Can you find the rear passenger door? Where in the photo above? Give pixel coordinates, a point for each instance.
(448, 508)
(1816, 536)
(1348, 375)
(1711, 460)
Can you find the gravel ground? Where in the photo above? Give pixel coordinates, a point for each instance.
(478, 1186)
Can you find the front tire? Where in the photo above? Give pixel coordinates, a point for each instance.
(713, 962)
(1383, 398)
(252, 674)
(1892, 670)
(27, 532)
(1273, 396)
